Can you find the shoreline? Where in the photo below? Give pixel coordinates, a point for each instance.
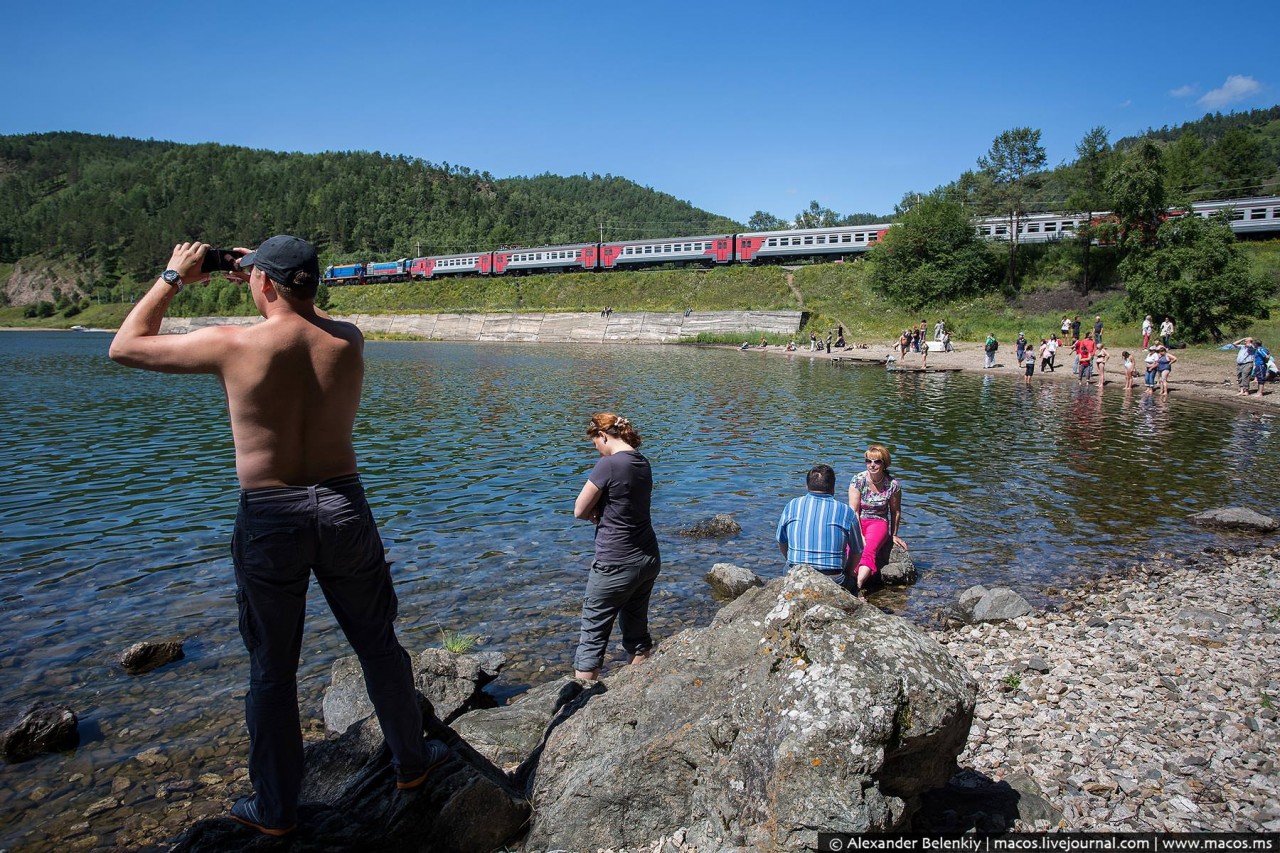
(1205, 375)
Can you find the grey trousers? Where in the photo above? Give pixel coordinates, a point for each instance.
(1244, 372)
(616, 592)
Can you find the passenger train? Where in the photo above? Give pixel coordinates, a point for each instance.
(1249, 216)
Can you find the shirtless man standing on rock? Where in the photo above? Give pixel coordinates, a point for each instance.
(293, 386)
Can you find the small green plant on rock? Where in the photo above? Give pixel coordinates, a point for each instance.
(1012, 681)
(458, 642)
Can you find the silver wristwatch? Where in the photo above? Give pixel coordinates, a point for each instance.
(173, 278)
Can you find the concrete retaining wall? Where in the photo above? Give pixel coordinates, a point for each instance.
(641, 327)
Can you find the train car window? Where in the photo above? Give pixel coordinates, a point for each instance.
(1237, 215)
(1258, 213)
(808, 241)
(1033, 228)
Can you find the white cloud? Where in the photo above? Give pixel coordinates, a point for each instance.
(1126, 104)
(1237, 88)
(1185, 91)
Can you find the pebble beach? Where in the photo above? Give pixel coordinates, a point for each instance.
(1147, 702)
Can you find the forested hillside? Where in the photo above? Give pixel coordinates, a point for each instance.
(115, 206)
(86, 219)
(1219, 156)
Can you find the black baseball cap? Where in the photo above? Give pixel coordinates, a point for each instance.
(281, 257)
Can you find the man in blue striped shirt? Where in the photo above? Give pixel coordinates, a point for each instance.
(818, 531)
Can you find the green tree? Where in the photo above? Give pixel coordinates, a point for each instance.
(932, 255)
(1237, 165)
(1196, 273)
(816, 216)
(1088, 190)
(1184, 166)
(1137, 190)
(762, 221)
(1012, 168)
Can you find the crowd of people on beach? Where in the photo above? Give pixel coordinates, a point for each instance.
(1090, 356)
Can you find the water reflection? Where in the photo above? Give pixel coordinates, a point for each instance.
(121, 494)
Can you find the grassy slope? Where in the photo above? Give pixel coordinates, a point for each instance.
(833, 294)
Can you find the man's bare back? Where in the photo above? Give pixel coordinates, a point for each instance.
(292, 392)
(292, 382)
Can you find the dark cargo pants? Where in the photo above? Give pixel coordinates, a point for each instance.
(281, 536)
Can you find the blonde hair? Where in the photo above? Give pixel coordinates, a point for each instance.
(610, 424)
(880, 451)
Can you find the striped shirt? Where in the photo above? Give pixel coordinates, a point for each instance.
(819, 531)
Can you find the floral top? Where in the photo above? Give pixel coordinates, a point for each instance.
(875, 504)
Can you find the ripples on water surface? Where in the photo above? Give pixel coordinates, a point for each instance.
(121, 493)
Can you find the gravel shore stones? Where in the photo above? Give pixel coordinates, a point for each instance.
(1148, 703)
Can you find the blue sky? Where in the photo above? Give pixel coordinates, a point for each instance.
(735, 107)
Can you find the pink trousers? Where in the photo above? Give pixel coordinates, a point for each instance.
(875, 534)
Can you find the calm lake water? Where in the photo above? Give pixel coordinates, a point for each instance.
(121, 494)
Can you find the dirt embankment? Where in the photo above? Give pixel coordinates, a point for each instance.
(29, 286)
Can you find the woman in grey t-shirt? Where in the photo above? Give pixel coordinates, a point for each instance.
(616, 498)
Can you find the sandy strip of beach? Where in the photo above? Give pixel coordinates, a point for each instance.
(1208, 375)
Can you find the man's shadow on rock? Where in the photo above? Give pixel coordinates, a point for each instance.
(972, 802)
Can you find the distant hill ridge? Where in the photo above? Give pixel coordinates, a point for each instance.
(115, 204)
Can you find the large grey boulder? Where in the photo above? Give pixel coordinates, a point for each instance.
(350, 803)
(43, 727)
(452, 682)
(1236, 518)
(979, 604)
(510, 736)
(729, 581)
(800, 708)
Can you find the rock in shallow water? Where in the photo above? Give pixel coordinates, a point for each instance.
(1236, 518)
(729, 581)
(718, 526)
(146, 656)
(43, 727)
